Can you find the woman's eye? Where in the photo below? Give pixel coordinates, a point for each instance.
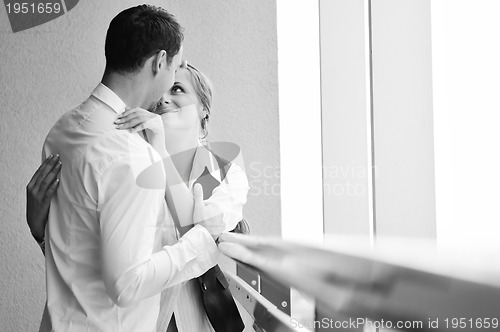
(176, 89)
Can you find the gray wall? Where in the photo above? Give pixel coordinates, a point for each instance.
(48, 69)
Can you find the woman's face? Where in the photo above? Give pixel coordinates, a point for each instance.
(182, 108)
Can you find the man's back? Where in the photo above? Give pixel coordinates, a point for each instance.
(93, 213)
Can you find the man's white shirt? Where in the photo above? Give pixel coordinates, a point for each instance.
(106, 256)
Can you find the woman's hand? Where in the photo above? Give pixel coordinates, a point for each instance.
(136, 119)
(39, 191)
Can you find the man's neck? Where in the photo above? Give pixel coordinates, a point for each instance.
(129, 87)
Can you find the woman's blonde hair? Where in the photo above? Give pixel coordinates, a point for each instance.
(204, 90)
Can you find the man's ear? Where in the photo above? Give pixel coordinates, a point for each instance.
(159, 61)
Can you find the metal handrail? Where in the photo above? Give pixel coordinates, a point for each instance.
(424, 291)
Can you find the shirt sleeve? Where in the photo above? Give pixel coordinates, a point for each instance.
(129, 213)
(230, 196)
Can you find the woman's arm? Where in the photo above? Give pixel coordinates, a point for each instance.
(39, 191)
(179, 198)
(221, 212)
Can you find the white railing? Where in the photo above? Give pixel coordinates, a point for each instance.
(400, 285)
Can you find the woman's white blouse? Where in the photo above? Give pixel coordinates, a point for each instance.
(184, 301)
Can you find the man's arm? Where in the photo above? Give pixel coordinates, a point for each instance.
(128, 216)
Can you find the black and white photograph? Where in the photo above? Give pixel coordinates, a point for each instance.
(266, 165)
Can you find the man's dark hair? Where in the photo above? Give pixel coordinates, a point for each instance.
(137, 33)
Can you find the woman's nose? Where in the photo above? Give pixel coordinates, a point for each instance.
(166, 99)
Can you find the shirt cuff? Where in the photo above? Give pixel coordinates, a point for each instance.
(192, 255)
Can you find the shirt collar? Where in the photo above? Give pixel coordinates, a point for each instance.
(107, 96)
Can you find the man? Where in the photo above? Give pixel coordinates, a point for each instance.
(105, 262)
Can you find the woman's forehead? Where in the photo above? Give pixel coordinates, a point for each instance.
(182, 75)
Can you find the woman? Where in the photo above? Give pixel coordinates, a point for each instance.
(190, 167)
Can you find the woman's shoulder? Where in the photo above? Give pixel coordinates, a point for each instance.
(228, 158)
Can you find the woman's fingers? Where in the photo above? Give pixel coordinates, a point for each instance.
(50, 179)
(39, 191)
(131, 118)
(130, 111)
(138, 127)
(42, 171)
(125, 118)
(131, 122)
(130, 114)
(139, 120)
(51, 190)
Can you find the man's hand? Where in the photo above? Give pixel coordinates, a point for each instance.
(39, 191)
(208, 216)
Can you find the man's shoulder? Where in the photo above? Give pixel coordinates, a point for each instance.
(118, 149)
(63, 128)
(65, 121)
(120, 143)
(87, 132)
